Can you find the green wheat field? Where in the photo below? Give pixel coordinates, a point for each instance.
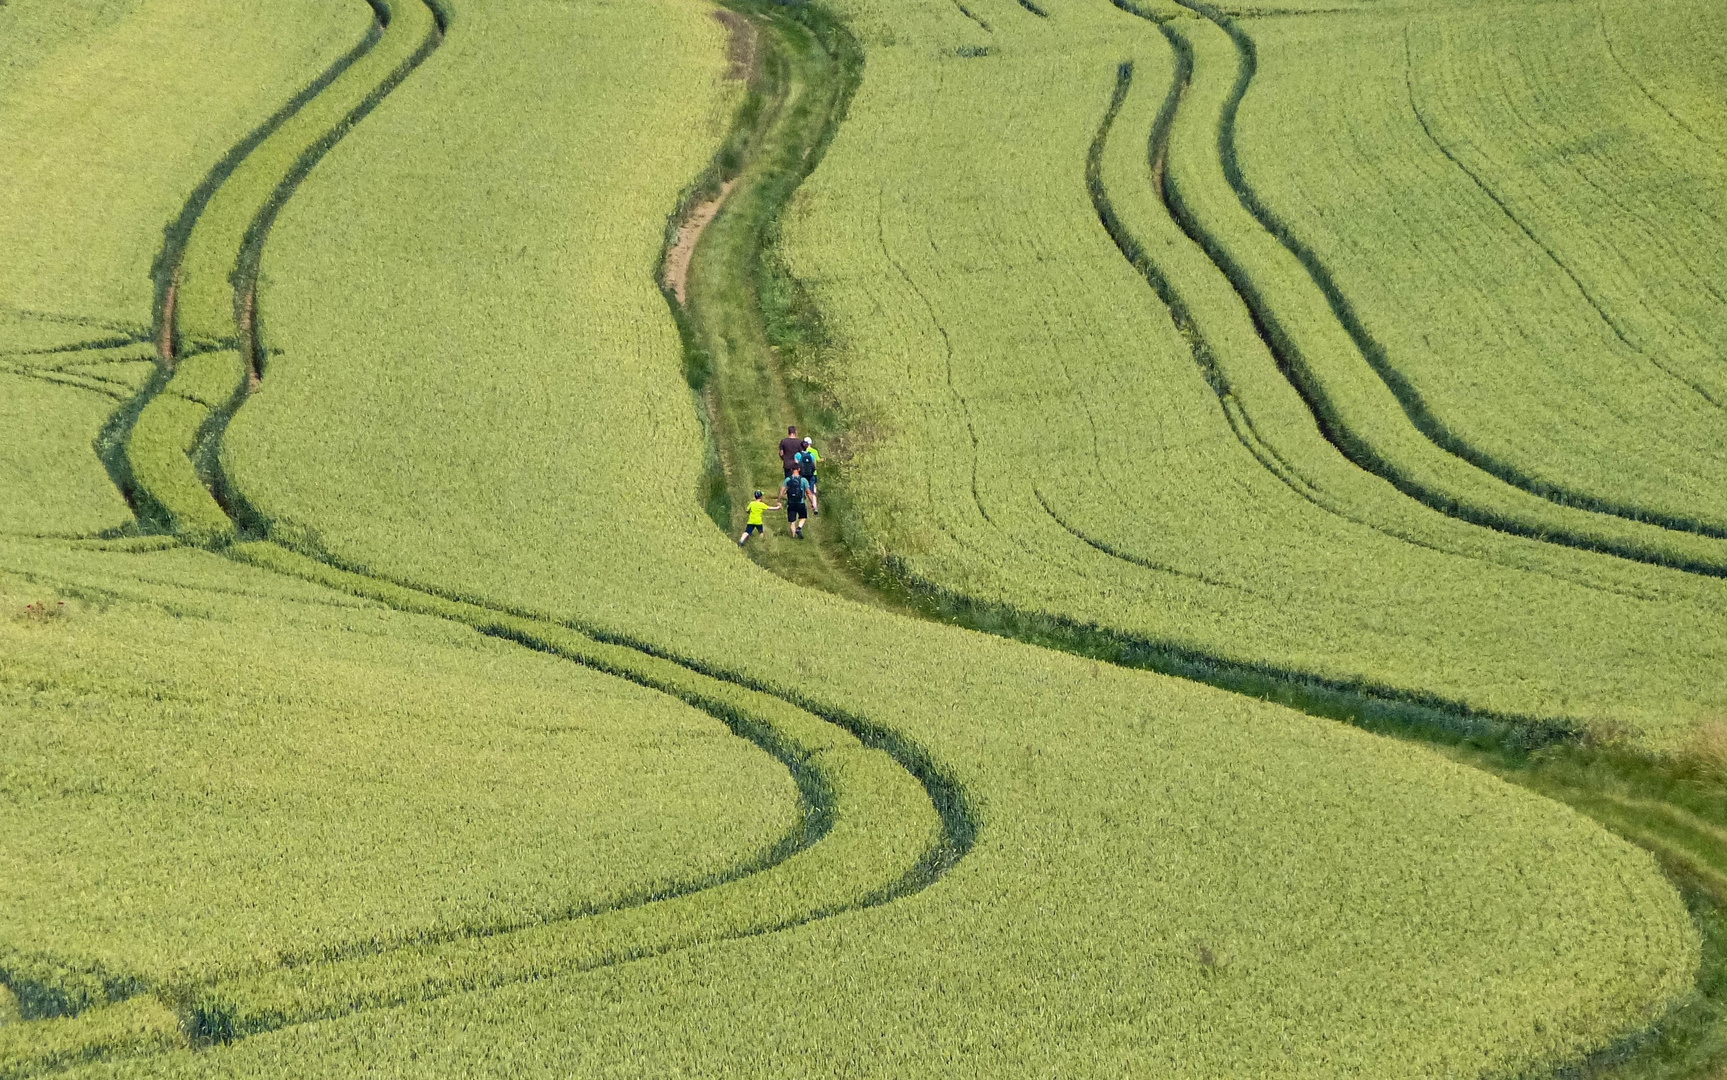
(1267, 615)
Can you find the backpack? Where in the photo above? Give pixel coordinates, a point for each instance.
(806, 462)
(795, 488)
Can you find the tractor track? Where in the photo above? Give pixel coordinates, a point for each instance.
(534, 631)
(1613, 53)
(209, 1019)
(1548, 757)
(1380, 709)
(1235, 412)
(1336, 431)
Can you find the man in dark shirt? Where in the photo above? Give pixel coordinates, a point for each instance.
(790, 446)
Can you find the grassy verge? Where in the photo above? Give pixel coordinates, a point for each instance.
(1674, 807)
(758, 343)
(753, 342)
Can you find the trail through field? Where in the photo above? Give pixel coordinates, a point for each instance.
(689, 234)
(743, 48)
(882, 822)
(743, 52)
(884, 816)
(755, 390)
(1560, 772)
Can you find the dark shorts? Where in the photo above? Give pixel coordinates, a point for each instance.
(787, 466)
(748, 529)
(796, 511)
(811, 478)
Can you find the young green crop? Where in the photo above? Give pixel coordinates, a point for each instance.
(160, 446)
(106, 134)
(210, 299)
(872, 835)
(317, 776)
(32, 34)
(486, 399)
(1689, 83)
(482, 397)
(50, 482)
(212, 289)
(109, 116)
(1561, 229)
(1118, 494)
(139, 1025)
(1359, 401)
(874, 844)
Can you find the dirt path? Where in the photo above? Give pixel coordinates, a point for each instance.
(743, 64)
(165, 342)
(249, 339)
(689, 234)
(742, 55)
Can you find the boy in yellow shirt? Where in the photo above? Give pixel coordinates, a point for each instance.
(756, 509)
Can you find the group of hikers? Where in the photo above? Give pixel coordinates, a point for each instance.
(799, 458)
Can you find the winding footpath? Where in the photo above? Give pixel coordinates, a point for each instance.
(872, 799)
(879, 820)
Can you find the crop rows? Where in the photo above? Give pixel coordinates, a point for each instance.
(1312, 566)
(1595, 359)
(210, 298)
(115, 111)
(1363, 404)
(45, 432)
(92, 122)
(873, 844)
(575, 886)
(475, 417)
(476, 436)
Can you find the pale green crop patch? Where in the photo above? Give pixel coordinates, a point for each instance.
(103, 141)
(211, 283)
(206, 778)
(1561, 226)
(1045, 437)
(51, 480)
(449, 789)
(110, 114)
(485, 400)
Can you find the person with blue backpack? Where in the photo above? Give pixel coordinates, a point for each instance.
(806, 460)
(795, 492)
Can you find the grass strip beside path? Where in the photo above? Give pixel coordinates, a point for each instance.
(756, 325)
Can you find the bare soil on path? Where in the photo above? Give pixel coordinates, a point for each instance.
(689, 234)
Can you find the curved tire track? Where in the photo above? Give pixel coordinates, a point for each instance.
(1205, 356)
(1419, 413)
(175, 482)
(821, 878)
(1336, 430)
(1486, 463)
